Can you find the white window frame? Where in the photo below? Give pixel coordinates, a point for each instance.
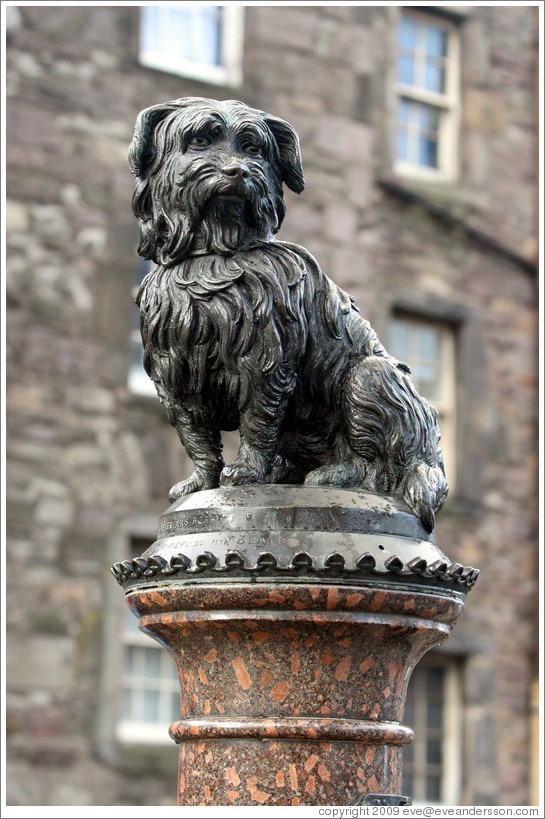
(232, 35)
(448, 105)
(446, 407)
(133, 731)
(138, 381)
(452, 733)
(140, 732)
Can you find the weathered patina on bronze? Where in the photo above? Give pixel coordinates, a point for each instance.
(297, 588)
(282, 533)
(243, 332)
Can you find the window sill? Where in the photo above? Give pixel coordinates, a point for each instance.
(145, 734)
(436, 189)
(420, 175)
(201, 72)
(454, 205)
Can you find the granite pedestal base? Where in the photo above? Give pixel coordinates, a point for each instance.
(293, 660)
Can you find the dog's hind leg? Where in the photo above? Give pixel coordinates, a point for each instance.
(349, 470)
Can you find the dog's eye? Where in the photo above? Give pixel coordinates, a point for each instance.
(199, 142)
(252, 149)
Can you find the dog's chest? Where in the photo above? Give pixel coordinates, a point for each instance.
(220, 324)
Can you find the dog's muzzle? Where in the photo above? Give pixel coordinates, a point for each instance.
(235, 181)
(236, 170)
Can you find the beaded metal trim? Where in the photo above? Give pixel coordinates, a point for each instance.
(461, 578)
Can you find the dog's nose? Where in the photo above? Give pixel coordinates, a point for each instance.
(236, 170)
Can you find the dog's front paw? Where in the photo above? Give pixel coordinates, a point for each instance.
(250, 467)
(237, 474)
(195, 483)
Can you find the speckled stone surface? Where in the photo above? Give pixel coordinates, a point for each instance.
(284, 773)
(292, 694)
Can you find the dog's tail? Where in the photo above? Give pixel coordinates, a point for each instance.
(424, 489)
(395, 431)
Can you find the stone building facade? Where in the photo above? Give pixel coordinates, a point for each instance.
(429, 238)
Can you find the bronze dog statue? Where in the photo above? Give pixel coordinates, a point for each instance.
(241, 331)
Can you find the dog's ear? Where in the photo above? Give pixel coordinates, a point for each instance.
(291, 165)
(141, 152)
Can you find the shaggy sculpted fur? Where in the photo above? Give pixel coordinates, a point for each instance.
(241, 331)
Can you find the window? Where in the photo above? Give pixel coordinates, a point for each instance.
(149, 687)
(432, 764)
(194, 40)
(150, 699)
(139, 381)
(427, 105)
(428, 348)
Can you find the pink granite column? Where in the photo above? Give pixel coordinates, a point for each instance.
(292, 695)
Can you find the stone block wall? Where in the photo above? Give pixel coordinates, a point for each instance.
(90, 464)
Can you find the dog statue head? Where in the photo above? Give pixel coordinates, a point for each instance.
(209, 177)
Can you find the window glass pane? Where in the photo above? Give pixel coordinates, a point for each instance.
(416, 138)
(428, 118)
(136, 704)
(149, 28)
(399, 341)
(126, 704)
(178, 34)
(130, 660)
(210, 42)
(423, 759)
(428, 382)
(405, 70)
(152, 663)
(171, 670)
(150, 705)
(434, 681)
(429, 343)
(436, 41)
(130, 624)
(433, 788)
(435, 714)
(191, 33)
(174, 706)
(434, 752)
(434, 78)
(427, 152)
(407, 33)
(402, 146)
(403, 111)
